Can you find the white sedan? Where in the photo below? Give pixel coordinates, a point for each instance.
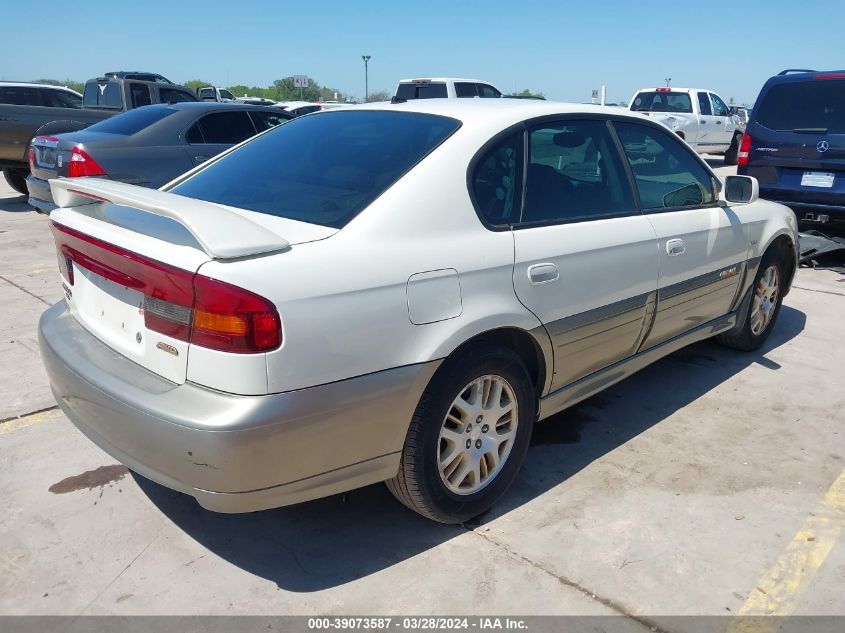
(395, 292)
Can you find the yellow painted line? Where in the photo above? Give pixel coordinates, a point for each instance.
(778, 592)
(36, 418)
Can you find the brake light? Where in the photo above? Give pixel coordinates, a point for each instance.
(31, 159)
(830, 76)
(663, 90)
(81, 164)
(744, 150)
(184, 305)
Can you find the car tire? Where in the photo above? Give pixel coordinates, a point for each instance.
(764, 307)
(17, 179)
(733, 151)
(442, 478)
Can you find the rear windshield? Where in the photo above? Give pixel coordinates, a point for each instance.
(105, 95)
(132, 122)
(812, 106)
(323, 169)
(421, 91)
(662, 102)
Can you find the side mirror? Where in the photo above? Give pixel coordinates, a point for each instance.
(741, 189)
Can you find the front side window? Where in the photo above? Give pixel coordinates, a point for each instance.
(719, 107)
(704, 104)
(666, 172)
(226, 128)
(662, 101)
(225, 94)
(140, 95)
(61, 99)
(322, 169)
(574, 173)
(497, 181)
(488, 92)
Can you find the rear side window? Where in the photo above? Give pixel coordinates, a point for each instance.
(132, 122)
(660, 101)
(704, 104)
(422, 91)
(464, 89)
(12, 95)
(574, 173)
(140, 95)
(322, 169)
(226, 128)
(102, 95)
(666, 172)
(61, 99)
(497, 181)
(815, 106)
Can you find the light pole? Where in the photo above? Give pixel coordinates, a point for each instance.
(366, 59)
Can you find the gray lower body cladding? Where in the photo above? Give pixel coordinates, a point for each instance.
(232, 453)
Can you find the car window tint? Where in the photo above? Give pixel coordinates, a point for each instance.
(662, 101)
(226, 127)
(265, 120)
(322, 169)
(433, 90)
(488, 92)
(171, 95)
(102, 95)
(497, 181)
(666, 172)
(225, 94)
(140, 95)
(817, 104)
(464, 89)
(61, 99)
(574, 172)
(206, 93)
(194, 135)
(704, 104)
(719, 107)
(13, 95)
(133, 121)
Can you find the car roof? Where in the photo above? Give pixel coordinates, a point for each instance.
(215, 105)
(674, 89)
(32, 84)
(444, 79)
(486, 112)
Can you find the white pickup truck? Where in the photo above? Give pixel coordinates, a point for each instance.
(698, 116)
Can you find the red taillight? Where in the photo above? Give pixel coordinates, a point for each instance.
(184, 305)
(830, 76)
(744, 150)
(81, 164)
(664, 90)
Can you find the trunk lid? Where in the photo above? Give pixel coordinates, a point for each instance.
(130, 258)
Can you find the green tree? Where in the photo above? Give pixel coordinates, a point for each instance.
(196, 84)
(381, 95)
(528, 93)
(68, 83)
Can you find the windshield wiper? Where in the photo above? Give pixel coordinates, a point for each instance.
(810, 130)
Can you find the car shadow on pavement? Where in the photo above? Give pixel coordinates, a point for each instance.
(337, 540)
(15, 204)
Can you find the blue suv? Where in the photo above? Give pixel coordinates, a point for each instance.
(794, 144)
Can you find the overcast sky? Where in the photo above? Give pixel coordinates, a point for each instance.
(562, 49)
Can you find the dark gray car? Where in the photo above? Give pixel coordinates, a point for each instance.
(147, 146)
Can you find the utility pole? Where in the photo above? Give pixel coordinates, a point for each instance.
(366, 59)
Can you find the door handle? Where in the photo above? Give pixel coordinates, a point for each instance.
(543, 274)
(704, 123)
(202, 159)
(718, 123)
(675, 247)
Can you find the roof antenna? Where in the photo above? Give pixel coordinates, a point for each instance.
(668, 80)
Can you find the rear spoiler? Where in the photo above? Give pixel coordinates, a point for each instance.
(222, 234)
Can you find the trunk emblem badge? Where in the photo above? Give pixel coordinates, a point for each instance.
(167, 348)
(823, 146)
(59, 160)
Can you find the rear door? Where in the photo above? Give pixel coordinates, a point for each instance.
(217, 132)
(707, 128)
(702, 245)
(585, 258)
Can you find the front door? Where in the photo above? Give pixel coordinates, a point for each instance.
(702, 245)
(585, 259)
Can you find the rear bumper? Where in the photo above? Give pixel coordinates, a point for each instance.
(40, 195)
(811, 212)
(232, 453)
